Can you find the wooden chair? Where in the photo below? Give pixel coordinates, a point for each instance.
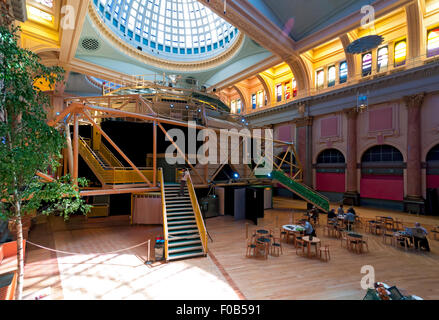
(389, 235)
(300, 246)
(344, 238)
(276, 247)
(251, 246)
(298, 235)
(262, 247)
(364, 242)
(283, 234)
(324, 250)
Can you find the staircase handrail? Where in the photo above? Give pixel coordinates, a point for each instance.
(197, 212)
(165, 219)
(109, 156)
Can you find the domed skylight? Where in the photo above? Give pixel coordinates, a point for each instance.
(182, 30)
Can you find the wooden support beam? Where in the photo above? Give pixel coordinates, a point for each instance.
(181, 152)
(100, 192)
(75, 146)
(154, 152)
(86, 114)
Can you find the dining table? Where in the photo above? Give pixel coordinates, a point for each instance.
(314, 241)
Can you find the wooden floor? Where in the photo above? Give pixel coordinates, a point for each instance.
(226, 268)
(294, 277)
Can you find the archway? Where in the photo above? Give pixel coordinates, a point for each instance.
(432, 161)
(330, 174)
(382, 177)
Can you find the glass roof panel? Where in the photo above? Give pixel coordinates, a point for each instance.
(177, 29)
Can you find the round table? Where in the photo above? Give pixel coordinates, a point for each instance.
(314, 241)
(292, 228)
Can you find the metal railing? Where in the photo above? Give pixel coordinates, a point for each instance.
(197, 212)
(165, 219)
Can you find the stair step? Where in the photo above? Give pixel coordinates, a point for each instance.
(182, 217)
(179, 205)
(183, 242)
(187, 208)
(181, 222)
(186, 248)
(188, 254)
(184, 232)
(187, 226)
(177, 198)
(170, 214)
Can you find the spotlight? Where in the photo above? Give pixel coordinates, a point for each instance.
(199, 110)
(172, 106)
(187, 107)
(57, 113)
(236, 175)
(242, 120)
(269, 175)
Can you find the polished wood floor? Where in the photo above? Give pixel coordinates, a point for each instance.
(294, 277)
(226, 273)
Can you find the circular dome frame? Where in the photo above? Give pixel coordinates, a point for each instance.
(163, 63)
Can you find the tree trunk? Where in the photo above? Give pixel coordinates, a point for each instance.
(20, 255)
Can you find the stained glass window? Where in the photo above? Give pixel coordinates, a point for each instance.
(433, 42)
(366, 64)
(254, 101)
(343, 74)
(400, 53)
(294, 88)
(320, 79)
(383, 58)
(279, 93)
(260, 99)
(238, 106)
(331, 76)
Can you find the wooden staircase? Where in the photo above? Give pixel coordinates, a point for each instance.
(184, 239)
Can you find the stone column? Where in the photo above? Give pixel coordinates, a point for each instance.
(414, 201)
(351, 196)
(304, 147)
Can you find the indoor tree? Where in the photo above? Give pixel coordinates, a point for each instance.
(28, 145)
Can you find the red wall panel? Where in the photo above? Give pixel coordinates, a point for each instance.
(382, 187)
(331, 182)
(433, 181)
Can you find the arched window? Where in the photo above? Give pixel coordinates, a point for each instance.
(320, 79)
(433, 154)
(383, 58)
(382, 153)
(433, 42)
(238, 106)
(400, 53)
(367, 64)
(331, 76)
(330, 156)
(343, 74)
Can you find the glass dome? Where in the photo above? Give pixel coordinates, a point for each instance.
(182, 30)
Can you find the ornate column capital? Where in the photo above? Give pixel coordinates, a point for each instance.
(303, 122)
(414, 101)
(351, 113)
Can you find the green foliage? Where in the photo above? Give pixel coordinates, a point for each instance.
(27, 143)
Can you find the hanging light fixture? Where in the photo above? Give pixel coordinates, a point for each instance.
(225, 6)
(362, 102)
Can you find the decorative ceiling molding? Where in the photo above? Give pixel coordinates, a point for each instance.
(347, 24)
(150, 60)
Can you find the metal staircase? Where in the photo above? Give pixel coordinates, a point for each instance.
(303, 191)
(184, 237)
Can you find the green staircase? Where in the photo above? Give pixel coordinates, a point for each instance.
(183, 235)
(303, 191)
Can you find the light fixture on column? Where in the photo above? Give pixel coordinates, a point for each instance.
(362, 102)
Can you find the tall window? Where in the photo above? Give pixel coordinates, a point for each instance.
(366, 66)
(254, 101)
(400, 53)
(287, 91)
(260, 99)
(331, 76)
(343, 76)
(383, 59)
(294, 84)
(238, 106)
(433, 42)
(320, 79)
(279, 93)
(233, 106)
